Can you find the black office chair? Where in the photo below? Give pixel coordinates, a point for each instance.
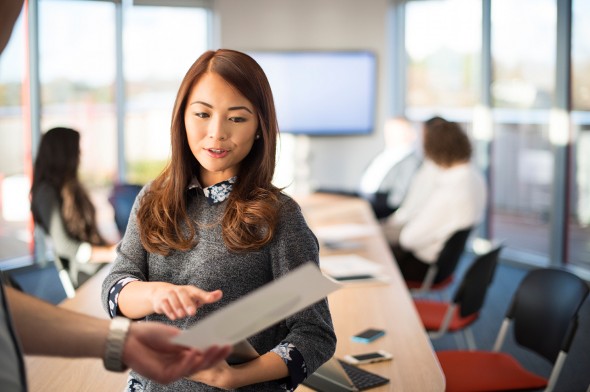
(441, 317)
(379, 203)
(544, 316)
(122, 198)
(440, 273)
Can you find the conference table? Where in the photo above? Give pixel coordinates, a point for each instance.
(349, 227)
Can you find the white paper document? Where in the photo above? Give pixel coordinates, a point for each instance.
(343, 232)
(344, 266)
(352, 268)
(260, 309)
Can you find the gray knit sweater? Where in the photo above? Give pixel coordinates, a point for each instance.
(210, 266)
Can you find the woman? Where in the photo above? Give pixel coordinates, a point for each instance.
(213, 223)
(447, 194)
(62, 208)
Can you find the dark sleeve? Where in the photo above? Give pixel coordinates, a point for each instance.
(114, 296)
(295, 364)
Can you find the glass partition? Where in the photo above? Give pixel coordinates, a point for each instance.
(522, 90)
(578, 247)
(15, 238)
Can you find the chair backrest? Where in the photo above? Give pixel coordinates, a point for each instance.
(451, 254)
(122, 198)
(544, 310)
(471, 294)
(35, 279)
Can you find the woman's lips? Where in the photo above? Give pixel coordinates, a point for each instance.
(217, 152)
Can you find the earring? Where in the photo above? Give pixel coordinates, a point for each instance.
(257, 136)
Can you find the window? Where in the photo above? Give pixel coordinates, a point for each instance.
(160, 45)
(15, 238)
(78, 66)
(443, 41)
(77, 71)
(580, 55)
(578, 247)
(522, 90)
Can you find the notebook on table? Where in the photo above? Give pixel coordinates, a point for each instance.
(339, 376)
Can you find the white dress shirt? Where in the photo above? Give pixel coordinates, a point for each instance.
(439, 202)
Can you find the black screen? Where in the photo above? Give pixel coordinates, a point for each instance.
(369, 333)
(363, 357)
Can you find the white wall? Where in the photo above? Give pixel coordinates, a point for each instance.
(316, 24)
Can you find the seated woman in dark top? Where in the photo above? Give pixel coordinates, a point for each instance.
(62, 208)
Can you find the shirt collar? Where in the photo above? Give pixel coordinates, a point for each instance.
(215, 193)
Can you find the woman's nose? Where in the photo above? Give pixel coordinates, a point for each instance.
(217, 131)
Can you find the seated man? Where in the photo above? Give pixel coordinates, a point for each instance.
(387, 178)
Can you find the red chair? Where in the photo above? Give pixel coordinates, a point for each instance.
(544, 317)
(441, 317)
(440, 274)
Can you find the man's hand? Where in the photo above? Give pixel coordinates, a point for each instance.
(149, 352)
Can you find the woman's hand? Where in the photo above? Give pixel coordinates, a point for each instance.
(219, 375)
(267, 367)
(181, 301)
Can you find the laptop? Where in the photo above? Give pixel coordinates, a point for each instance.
(339, 376)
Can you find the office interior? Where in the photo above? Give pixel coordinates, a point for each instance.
(517, 85)
(515, 75)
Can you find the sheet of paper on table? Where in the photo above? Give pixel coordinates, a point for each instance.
(351, 267)
(342, 232)
(260, 309)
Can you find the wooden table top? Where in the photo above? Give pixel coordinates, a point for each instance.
(387, 306)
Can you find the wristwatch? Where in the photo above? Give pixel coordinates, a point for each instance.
(113, 355)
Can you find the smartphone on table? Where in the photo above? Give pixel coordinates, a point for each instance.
(368, 335)
(361, 359)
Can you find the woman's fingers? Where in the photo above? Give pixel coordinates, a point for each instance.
(205, 297)
(166, 309)
(187, 302)
(183, 301)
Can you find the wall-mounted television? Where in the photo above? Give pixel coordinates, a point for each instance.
(322, 92)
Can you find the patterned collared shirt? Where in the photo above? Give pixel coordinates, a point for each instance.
(215, 193)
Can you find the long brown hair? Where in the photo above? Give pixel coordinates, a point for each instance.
(56, 165)
(250, 216)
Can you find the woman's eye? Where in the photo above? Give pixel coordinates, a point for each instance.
(237, 119)
(202, 115)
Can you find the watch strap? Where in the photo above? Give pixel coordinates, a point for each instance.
(113, 356)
